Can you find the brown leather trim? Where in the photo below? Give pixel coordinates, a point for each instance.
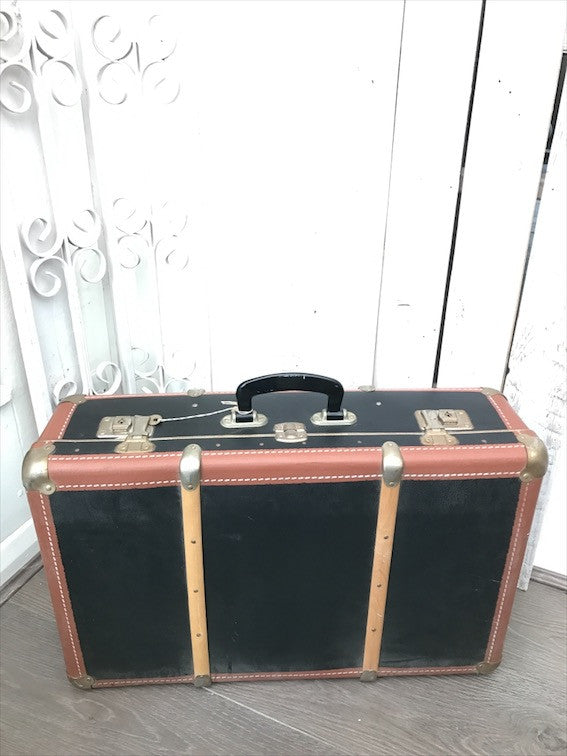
(401, 672)
(310, 675)
(508, 416)
(55, 574)
(142, 681)
(57, 426)
(518, 542)
(103, 471)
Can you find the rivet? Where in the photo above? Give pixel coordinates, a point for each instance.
(198, 635)
(193, 540)
(386, 538)
(379, 585)
(373, 629)
(195, 590)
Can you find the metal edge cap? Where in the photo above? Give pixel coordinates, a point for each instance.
(35, 473)
(202, 681)
(486, 667)
(190, 467)
(83, 683)
(392, 464)
(536, 452)
(74, 399)
(368, 675)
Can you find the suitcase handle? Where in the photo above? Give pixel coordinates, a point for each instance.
(268, 384)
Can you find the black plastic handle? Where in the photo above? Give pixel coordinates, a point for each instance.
(268, 384)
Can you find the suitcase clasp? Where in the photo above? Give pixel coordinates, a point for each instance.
(290, 433)
(438, 423)
(133, 430)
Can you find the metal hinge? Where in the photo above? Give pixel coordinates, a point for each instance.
(134, 430)
(438, 423)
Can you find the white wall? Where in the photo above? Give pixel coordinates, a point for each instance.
(17, 432)
(236, 188)
(536, 381)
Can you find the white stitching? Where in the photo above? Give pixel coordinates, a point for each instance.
(424, 670)
(508, 571)
(66, 421)
(59, 583)
(135, 484)
(141, 681)
(276, 675)
(119, 457)
(293, 477)
(138, 484)
(499, 411)
(160, 455)
(360, 450)
(355, 477)
(460, 475)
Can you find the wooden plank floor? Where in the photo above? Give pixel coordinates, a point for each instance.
(520, 709)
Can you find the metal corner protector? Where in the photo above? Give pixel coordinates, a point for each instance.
(85, 682)
(491, 391)
(486, 667)
(35, 473)
(74, 399)
(537, 457)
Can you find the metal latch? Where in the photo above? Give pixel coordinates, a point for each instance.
(134, 430)
(438, 423)
(290, 433)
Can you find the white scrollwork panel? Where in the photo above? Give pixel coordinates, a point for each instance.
(63, 248)
(152, 264)
(128, 62)
(66, 276)
(105, 275)
(14, 39)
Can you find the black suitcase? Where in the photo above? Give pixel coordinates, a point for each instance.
(287, 532)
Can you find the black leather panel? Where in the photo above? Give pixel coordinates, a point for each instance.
(287, 572)
(382, 412)
(124, 562)
(450, 547)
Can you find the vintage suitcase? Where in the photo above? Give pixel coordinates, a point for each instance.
(282, 534)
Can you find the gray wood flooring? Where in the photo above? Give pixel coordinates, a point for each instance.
(519, 709)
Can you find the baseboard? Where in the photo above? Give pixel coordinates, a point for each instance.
(17, 551)
(547, 577)
(16, 582)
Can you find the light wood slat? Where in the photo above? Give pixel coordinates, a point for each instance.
(519, 63)
(193, 542)
(426, 161)
(383, 545)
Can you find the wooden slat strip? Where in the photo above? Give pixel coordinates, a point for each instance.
(193, 542)
(383, 545)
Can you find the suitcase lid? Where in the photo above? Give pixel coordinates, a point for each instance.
(167, 423)
(270, 432)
